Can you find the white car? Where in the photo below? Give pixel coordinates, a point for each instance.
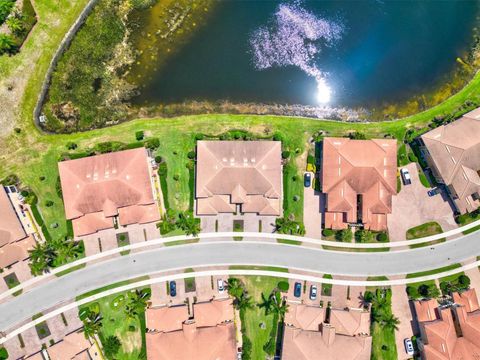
(409, 346)
(313, 292)
(407, 180)
(220, 286)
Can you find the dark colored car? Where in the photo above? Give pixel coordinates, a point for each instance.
(433, 192)
(307, 179)
(297, 290)
(173, 288)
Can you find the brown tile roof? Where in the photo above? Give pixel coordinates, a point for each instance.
(468, 299)
(248, 173)
(353, 167)
(426, 310)
(74, 346)
(307, 337)
(15, 252)
(192, 342)
(454, 150)
(11, 228)
(209, 336)
(324, 345)
(99, 187)
(166, 319)
(350, 322)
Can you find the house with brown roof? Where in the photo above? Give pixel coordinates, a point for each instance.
(172, 334)
(14, 241)
(74, 346)
(239, 176)
(452, 152)
(359, 178)
(450, 333)
(309, 335)
(99, 191)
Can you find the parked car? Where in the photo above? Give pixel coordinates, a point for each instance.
(407, 180)
(220, 286)
(307, 179)
(433, 192)
(173, 288)
(409, 346)
(313, 292)
(297, 290)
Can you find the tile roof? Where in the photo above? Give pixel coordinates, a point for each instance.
(454, 150)
(359, 167)
(11, 228)
(350, 322)
(99, 187)
(166, 319)
(426, 310)
(17, 251)
(74, 346)
(248, 173)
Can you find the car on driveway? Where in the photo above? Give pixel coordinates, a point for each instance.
(307, 179)
(407, 180)
(173, 288)
(433, 192)
(297, 290)
(409, 346)
(313, 292)
(220, 286)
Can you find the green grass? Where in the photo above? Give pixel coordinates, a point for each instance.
(72, 269)
(423, 179)
(111, 286)
(289, 242)
(266, 268)
(327, 288)
(382, 337)
(182, 242)
(292, 189)
(468, 218)
(433, 271)
(255, 286)
(424, 230)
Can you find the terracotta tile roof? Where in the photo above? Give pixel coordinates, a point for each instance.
(305, 317)
(207, 343)
(15, 252)
(359, 167)
(454, 150)
(74, 346)
(166, 319)
(11, 228)
(99, 187)
(426, 310)
(248, 173)
(209, 336)
(324, 345)
(468, 299)
(350, 322)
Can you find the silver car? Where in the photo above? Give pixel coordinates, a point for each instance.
(409, 346)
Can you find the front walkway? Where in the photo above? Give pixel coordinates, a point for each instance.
(312, 212)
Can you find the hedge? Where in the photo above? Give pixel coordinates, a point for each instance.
(162, 174)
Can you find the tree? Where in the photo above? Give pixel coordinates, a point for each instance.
(344, 235)
(111, 346)
(390, 322)
(137, 302)
(266, 304)
(39, 261)
(7, 44)
(364, 236)
(235, 287)
(188, 223)
(92, 324)
(16, 24)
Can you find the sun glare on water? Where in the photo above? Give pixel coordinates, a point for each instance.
(324, 92)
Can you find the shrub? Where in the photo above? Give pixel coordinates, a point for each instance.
(285, 154)
(412, 292)
(328, 232)
(311, 159)
(199, 136)
(11, 179)
(162, 169)
(7, 44)
(382, 237)
(357, 136)
(296, 198)
(17, 130)
(6, 6)
(112, 344)
(152, 143)
(464, 281)
(176, 177)
(3, 354)
(48, 203)
(41, 178)
(344, 235)
(412, 157)
(191, 155)
(158, 159)
(283, 286)
(71, 145)
(139, 135)
(278, 136)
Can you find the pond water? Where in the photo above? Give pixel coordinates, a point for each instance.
(344, 53)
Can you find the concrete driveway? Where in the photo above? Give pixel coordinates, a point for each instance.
(412, 207)
(312, 212)
(401, 309)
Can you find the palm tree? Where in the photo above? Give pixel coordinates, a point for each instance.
(92, 324)
(235, 288)
(137, 303)
(266, 304)
(15, 24)
(38, 259)
(390, 322)
(6, 44)
(244, 302)
(187, 222)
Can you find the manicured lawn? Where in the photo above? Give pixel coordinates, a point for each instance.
(258, 326)
(109, 287)
(466, 219)
(424, 230)
(327, 288)
(383, 343)
(292, 191)
(433, 271)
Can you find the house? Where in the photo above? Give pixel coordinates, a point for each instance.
(14, 241)
(359, 178)
(239, 176)
(309, 335)
(172, 334)
(102, 191)
(452, 152)
(449, 332)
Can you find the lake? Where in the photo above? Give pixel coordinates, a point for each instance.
(363, 53)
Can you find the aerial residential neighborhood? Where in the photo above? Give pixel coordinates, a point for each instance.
(231, 180)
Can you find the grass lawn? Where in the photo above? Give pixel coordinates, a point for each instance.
(466, 219)
(255, 317)
(289, 242)
(381, 338)
(327, 288)
(111, 286)
(115, 322)
(433, 271)
(427, 229)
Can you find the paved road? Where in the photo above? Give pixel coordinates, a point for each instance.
(62, 289)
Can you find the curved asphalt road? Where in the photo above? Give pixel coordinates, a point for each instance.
(65, 288)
